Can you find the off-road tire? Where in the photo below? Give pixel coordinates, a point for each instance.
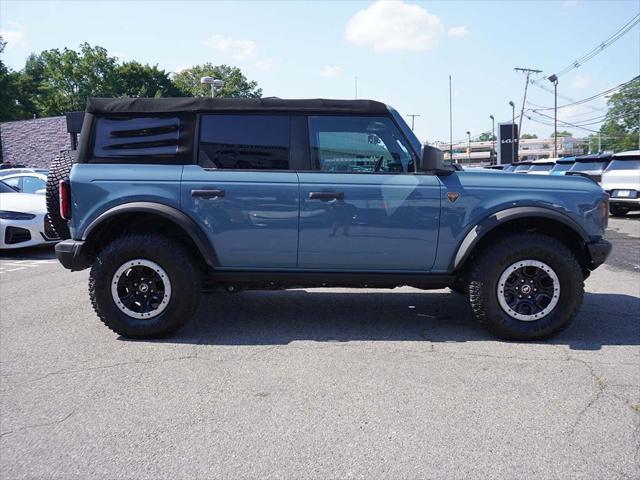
(618, 211)
(58, 171)
(173, 258)
(489, 265)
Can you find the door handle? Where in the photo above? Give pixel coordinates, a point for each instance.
(207, 193)
(326, 196)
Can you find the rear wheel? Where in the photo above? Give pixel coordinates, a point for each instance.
(526, 287)
(144, 286)
(618, 211)
(58, 171)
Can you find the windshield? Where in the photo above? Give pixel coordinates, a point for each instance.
(4, 188)
(413, 140)
(541, 168)
(588, 166)
(561, 167)
(521, 168)
(624, 165)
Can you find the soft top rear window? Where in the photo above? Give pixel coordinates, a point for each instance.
(139, 136)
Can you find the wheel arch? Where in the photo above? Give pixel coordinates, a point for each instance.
(145, 216)
(540, 219)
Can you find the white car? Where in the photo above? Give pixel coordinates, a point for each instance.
(24, 221)
(26, 182)
(621, 180)
(542, 166)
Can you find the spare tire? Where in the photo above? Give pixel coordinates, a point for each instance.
(58, 171)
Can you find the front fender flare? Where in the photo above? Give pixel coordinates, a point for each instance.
(489, 223)
(179, 218)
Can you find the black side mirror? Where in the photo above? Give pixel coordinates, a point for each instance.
(433, 161)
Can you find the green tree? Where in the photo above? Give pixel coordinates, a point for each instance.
(235, 83)
(66, 78)
(563, 133)
(486, 137)
(138, 80)
(15, 100)
(528, 136)
(620, 129)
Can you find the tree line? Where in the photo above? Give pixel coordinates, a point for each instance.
(55, 81)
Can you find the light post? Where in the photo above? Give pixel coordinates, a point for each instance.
(513, 132)
(214, 82)
(493, 138)
(469, 148)
(554, 79)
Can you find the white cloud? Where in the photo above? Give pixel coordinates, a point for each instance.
(240, 50)
(461, 31)
(394, 26)
(13, 36)
(234, 47)
(330, 71)
(581, 81)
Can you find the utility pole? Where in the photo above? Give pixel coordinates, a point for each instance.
(554, 79)
(450, 124)
(469, 148)
(528, 72)
(413, 117)
(493, 139)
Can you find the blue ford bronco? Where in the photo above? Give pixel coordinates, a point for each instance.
(168, 197)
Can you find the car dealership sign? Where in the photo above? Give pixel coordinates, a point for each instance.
(507, 143)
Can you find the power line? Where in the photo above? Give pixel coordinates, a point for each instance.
(603, 45)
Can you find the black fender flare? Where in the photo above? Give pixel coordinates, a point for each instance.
(483, 227)
(176, 216)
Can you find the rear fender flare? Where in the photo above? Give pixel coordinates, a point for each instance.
(174, 215)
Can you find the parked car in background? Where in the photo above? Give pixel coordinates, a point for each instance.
(562, 166)
(27, 182)
(590, 165)
(621, 180)
(522, 167)
(542, 166)
(24, 221)
(508, 167)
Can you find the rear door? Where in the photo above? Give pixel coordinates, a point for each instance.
(364, 207)
(242, 191)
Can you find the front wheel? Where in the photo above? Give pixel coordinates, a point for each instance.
(144, 286)
(526, 287)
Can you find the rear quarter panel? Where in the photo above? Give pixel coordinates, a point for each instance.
(482, 194)
(95, 188)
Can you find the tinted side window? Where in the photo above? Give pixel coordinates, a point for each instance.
(358, 144)
(14, 182)
(244, 142)
(32, 184)
(136, 136)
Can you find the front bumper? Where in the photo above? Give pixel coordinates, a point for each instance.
(72, 255)
(598, 251)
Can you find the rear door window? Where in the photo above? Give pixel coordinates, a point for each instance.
(244, 142)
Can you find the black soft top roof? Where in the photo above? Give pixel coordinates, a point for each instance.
(594, 157)
(208, 104)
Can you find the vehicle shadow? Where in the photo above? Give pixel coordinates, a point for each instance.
(279, 318)
(44, 252)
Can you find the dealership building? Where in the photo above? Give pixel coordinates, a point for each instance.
(529, 149)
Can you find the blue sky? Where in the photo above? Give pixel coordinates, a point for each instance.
(401, 52)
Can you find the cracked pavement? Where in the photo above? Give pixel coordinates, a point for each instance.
(319, 383)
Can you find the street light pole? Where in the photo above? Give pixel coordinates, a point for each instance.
(213, 82)
(493, 138)
(513, 132)
(469, 148)
(554, 79)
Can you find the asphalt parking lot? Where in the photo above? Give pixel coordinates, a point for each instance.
(320, 383)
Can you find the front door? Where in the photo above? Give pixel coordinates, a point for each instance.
(242, 193)
(365, 208)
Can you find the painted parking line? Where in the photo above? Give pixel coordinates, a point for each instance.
(15, 265)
